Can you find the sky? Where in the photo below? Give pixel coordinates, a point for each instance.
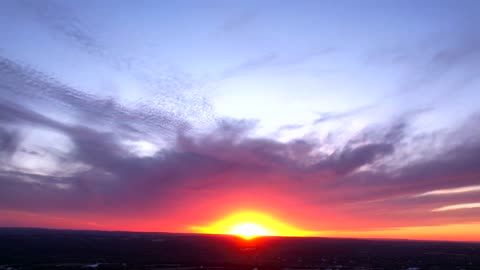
(319, 118)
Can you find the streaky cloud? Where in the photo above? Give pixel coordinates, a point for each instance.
(451, 191)
(457, 207)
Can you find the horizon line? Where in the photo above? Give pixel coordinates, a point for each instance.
(235, 236)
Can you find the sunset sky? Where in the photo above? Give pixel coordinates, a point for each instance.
(302, 118)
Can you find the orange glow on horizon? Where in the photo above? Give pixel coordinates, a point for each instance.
(452, 232)
(249, 225)
(232, 225)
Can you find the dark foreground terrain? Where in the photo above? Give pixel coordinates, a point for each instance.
(66, 249)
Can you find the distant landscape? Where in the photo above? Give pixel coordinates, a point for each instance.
(70, 249)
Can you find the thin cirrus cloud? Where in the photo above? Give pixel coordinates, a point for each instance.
(457, 207)
(451, 191)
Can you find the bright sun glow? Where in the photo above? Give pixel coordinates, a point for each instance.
(249, 225)
(249, 230)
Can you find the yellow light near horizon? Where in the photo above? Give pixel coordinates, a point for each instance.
(249, 225)
(249, 230)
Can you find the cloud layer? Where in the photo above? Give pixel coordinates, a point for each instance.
(372, 181)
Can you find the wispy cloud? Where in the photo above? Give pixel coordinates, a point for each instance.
(249, 65)
(65, 23)
(332, 116)
(457, 207)
(449, 191)
(274, 59)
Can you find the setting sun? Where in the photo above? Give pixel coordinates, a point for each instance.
(249, 230)
(249, 225)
